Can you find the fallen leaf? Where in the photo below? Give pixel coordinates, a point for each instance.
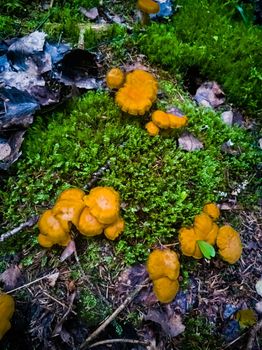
(12, 277)
(169, 321)
(90, 14)
(68, 251)
(206, 249)
(259, 307)
(246, 318)
(176, 111)
(227, 117)
(52, 279)
(259, 287)
(189, 143)
(209, 94)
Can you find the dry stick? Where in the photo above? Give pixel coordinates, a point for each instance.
(253, 333)
(29, 284)
(110, 341)
(29, 223)
(113, 316)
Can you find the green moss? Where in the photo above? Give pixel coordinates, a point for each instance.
(161, 186)
(199, 334)
(202, 37)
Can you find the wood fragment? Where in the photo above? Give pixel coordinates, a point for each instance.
(29, 223)
(113, 316)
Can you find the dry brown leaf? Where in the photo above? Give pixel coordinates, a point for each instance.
(12, 277)
(189, 142)
(209, 94)
(169, 321)
(68, 251)
(52, 279)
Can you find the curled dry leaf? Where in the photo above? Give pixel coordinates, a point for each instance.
(169, 321)
(189, 142)
(209, 94)
(259, 287)
(68, 251)
(11, 278)
(52, 279)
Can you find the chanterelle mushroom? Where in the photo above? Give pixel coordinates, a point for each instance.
(115, 78)
(7, 308)
(147, 7)
(229, 244)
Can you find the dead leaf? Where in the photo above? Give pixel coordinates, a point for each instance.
(259, 287)
(90, 14)
(68, 251)
(134, 66)
(176, 111)
(189, 142)
(169, 321)
(259, 307)
(209, 94)
(52, 279)
(12, 277)
(227, 117)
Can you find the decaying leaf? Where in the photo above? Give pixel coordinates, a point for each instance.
(189, 143)
(68, 251)
(169, 321)
(90, 14)
(52, 279)
(259, 287)
(246, 318)
(227, 117)
(129, 280)
(11, 278)
(209, 94)
(15, 142)
(259, 307)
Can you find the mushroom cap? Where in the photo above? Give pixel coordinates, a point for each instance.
(163, 263)
(203, 224)
(88, 224)
(68, 210)
(229, 244)
(152, 129)
(104, 204)
(212, 210)
(165, 289)
(44, 241)
(161, 119)
(75, 194)
(56, 229)
(187, 239)
(138, 93)
(177, 122)
(148, 6)
(7, 308)
(115, 78)
(113, 231)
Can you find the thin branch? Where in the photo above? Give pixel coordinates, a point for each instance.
(113, 316)
(97, 175)
(29, 223)
(253, 334)
(29, 284)
(110, 341)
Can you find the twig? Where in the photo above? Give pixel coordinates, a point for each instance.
(113, 316)
(51, 4)
(29, 284)
(253, 333)
(29, 223)
(234, 341)
(96, 175)
(110, 341)
(57, 301)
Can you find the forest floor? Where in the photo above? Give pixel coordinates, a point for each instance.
(63, 295)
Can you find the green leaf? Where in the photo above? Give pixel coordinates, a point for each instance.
(206, 249)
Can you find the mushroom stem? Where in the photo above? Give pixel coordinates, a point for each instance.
(145, 18)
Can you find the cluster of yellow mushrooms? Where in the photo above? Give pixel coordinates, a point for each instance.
(163, 264)
(91, 214)
(99, 211)
(137, 91)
